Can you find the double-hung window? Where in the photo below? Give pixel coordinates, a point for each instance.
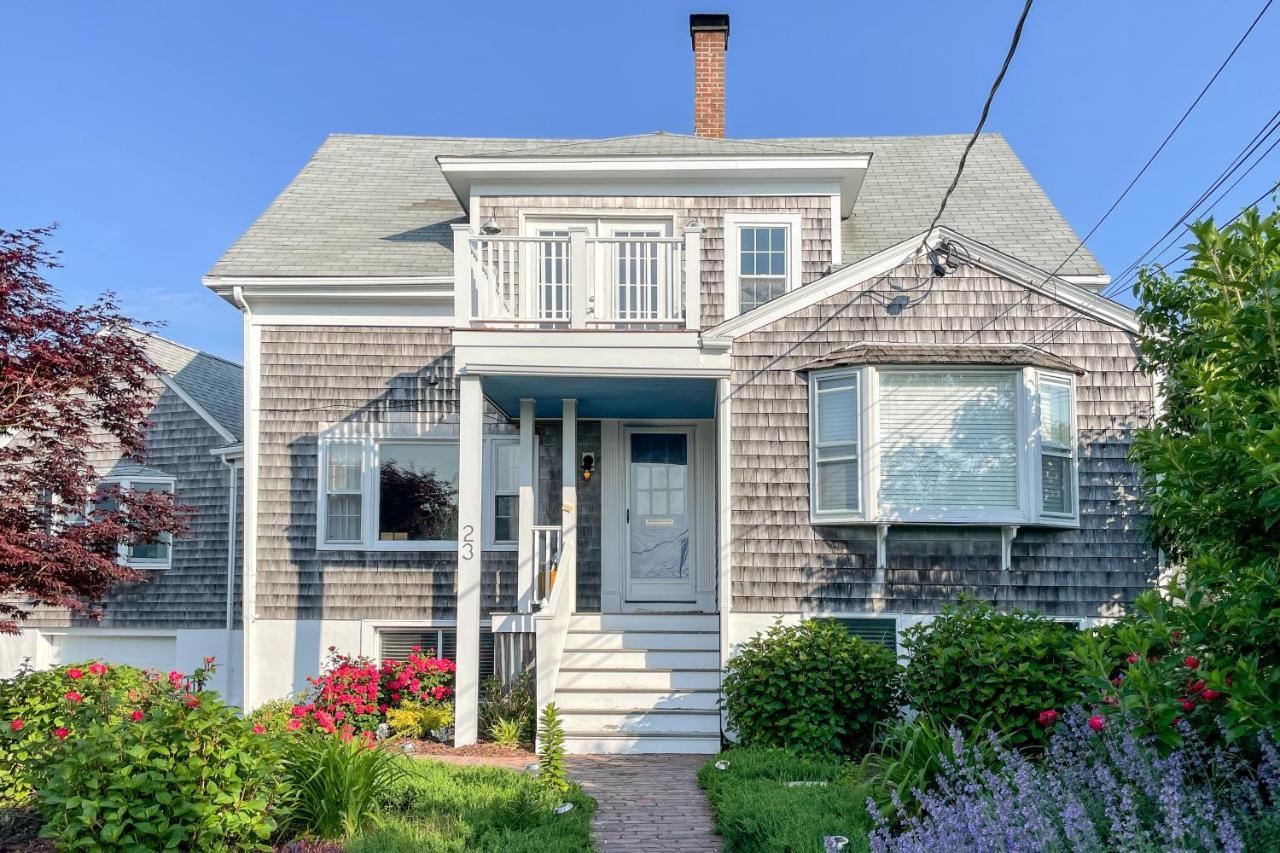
(933, 444)
(762, 259)
(504, 491)
(155, 554)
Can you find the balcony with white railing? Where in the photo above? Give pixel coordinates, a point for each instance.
(575, 280)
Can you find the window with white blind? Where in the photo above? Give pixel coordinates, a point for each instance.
(398, 643)
(942, 445)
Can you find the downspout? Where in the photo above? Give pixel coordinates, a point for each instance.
(249, 580)
(232, 505)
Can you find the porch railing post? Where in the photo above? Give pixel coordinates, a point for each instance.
(462, 287)
(525, 544)
(693, 276)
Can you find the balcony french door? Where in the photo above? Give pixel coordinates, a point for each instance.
(555, 274)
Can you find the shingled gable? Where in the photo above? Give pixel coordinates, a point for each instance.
(866, 273)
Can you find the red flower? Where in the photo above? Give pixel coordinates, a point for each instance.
(1097, 723)
(1117, 681)
(97, 669)
(1177, 635)
(1192, 662)
(1133, 657)
(73, 696)
(175, 678)
(17, 725)
(259, 729)
(293, 725)
(208, 661)
(1196, 686)
(1047, 718)
(340, 715)
(61, 733)
(416, 649)
(1210, 695)
(191, 701)
(136, 716)
(75, 674)
(299, 711)
(1188, 705)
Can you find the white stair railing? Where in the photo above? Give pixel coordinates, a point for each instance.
(546, 561)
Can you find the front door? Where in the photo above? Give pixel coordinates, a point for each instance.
(660, 505)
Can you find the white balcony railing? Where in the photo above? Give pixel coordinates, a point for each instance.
(578, 281)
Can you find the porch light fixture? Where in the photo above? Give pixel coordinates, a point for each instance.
(490, 226)
(588, 467)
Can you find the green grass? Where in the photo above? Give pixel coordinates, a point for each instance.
(757, 813)
(438, 808)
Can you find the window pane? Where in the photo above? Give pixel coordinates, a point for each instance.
(837, 411)
(506, 518)
(949, 440)
(758, 291)
(506, 461)
(149, 551)
(418, 492)
(777, 239)
(343, 521)
(149, 486)
(1055, 414)
(1055, 483)
(837, 486)
(344, 467)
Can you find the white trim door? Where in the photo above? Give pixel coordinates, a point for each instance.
(660, 548)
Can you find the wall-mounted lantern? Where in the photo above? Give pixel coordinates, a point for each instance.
(588, 467)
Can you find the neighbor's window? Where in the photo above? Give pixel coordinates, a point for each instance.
(762, 265)
(143, 555)
(907, 444)
(417, 491)
(1057, 446)
(506, 491)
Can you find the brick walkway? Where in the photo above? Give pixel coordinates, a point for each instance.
(647, 803)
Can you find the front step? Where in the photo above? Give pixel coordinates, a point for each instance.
(617, 640)
(653, 679)
(641, 659)
(609, 744)
(644, 622)
(641, 721)
(623, 699)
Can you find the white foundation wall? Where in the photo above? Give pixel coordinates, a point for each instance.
(283, 653)
(183, 649)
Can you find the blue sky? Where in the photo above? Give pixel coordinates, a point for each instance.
(156, 132)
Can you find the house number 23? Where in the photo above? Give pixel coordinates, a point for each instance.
(468, 541)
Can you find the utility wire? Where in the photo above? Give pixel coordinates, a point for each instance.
(982, 119)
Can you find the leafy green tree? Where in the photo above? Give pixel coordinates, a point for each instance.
(1211, 469)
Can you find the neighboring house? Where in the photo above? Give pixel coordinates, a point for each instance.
(188, 608)
(613, 406)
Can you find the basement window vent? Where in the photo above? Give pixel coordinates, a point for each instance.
(881, 631)
(441, 642)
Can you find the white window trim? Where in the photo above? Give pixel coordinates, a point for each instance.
(126, 483)
(1030, 498)
(735, 220)
(491, 494)
(369, 540)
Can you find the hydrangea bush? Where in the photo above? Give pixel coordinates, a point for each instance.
(1097, 787)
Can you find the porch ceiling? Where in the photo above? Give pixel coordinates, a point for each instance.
(606, 397)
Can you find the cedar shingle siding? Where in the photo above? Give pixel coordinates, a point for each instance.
(315, 376)
(782, 563)
(193, 593)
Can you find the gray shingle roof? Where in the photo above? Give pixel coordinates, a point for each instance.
(215, 383)
(379, 205)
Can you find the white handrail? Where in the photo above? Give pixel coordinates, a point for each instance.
(546, 560)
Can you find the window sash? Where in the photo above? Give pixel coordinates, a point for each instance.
(1056, 434)
(343, 517)
(835, 464)
(146, 555)
(504, 491)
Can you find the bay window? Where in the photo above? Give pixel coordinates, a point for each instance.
(919, 443)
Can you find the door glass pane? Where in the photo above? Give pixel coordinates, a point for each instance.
(659, 506)
(554, 275)
(417, 492)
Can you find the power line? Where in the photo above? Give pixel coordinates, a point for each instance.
(982, 119)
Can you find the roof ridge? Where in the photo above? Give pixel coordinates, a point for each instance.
(189, 349)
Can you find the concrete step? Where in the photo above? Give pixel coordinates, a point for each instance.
(702, 640)
(596, 678)
(644, 622)
(623, 699)
(641, 721)
(642, 659)
(607, 743)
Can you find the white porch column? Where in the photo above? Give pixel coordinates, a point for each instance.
(569, 500)
(470, 511)
(528, 471)
(724, 510)
(462, 294)
(693, 277)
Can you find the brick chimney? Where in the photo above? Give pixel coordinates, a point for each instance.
(710, 41)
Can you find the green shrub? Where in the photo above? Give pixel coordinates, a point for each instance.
(513, 701)
(812, 688)
(188, 775)
(35, 704)
(1011, 666)
(552, 774)
(334, 780)
(274, 714)
(908, 755)
(757, 812)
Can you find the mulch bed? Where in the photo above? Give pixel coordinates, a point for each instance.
(479, 753)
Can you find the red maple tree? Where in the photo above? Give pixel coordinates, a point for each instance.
(73, 385)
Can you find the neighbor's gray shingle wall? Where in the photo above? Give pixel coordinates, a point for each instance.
(782, 563)
(313, 376)
(815, 227)
(193, 592)
(549, 511)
